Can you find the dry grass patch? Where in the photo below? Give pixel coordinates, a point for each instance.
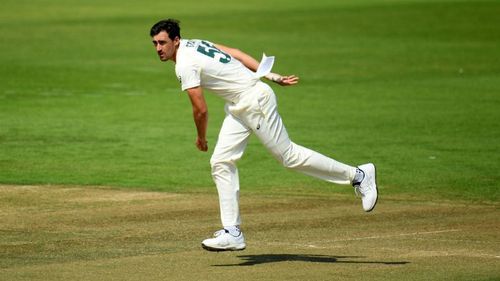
(85, 233)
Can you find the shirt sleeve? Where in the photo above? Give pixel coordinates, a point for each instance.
(189, 77)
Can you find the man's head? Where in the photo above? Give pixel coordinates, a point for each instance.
(166, 36)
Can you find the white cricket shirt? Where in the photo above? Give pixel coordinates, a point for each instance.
(200, 63)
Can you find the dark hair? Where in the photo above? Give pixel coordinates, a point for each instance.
(171, 26)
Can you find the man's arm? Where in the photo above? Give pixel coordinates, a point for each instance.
(244, 58)
(200, 115)
(253, 65)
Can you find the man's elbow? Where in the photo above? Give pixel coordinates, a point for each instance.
(201, 113)
(235, 53)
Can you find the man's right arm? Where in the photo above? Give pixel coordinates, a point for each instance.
(200, 115)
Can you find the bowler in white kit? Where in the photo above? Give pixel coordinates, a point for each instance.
(250, 109)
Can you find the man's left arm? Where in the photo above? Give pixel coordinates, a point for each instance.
(253, 65)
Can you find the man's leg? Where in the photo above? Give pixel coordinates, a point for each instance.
(265, 121)
(233, 138)
(269, 128)
(231, 144)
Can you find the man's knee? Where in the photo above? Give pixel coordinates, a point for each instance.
(290, 158)
(289, 162)
(220, 167)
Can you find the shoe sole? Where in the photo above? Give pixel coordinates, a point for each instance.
(376, 188)
(212, 249)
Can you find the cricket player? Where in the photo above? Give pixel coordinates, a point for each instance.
(250, 109)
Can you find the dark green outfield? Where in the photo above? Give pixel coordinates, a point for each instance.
(413, 86)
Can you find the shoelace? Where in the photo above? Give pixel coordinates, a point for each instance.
(359, 190)
(222, 231)
(219, 232)
(357, 186)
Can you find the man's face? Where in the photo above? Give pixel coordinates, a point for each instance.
(165, 47)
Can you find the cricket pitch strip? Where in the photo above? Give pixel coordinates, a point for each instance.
(96, 233)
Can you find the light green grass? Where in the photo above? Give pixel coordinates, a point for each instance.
(410, 85)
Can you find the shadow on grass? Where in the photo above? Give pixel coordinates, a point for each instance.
(249, 260)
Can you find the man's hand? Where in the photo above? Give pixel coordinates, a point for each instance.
(288, 80)
(202, 144)
(283, 80)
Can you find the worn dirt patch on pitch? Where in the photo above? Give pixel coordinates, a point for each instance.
(86, 194)
(89, 233)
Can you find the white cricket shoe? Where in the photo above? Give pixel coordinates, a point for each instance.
(224, 241)
(367, 188)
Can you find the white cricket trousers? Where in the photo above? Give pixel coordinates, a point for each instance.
(256, 112)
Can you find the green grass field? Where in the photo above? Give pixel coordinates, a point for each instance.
(411, 85)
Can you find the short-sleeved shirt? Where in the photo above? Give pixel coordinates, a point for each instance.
(200, 63)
